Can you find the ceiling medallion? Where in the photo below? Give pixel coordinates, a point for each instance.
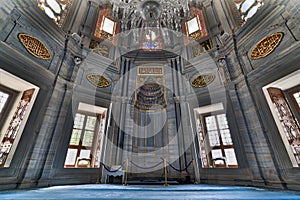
(203, 80)
(266, 46)
(98, 80)
(34, 46)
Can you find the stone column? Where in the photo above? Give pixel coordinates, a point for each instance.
(191, 129)
(88, 24)
(123, 109)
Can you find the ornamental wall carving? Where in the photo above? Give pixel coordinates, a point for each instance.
(266, 46)
(203, 80)
(98, 80)
(34, 46)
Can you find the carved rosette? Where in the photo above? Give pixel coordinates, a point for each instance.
(34, 46)
(98, 80)
(266, 46)
(203, 80)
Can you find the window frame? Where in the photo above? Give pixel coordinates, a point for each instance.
(80, 147)
(284, 128)
(14, 131)
(98, 34)
(202, 34)
(221, 146)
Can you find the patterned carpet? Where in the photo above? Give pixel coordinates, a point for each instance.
(140, 192)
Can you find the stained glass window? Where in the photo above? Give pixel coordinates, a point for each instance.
(151, 40)
(56, 9)
(195, 27)
(248, 8)
(105, 27)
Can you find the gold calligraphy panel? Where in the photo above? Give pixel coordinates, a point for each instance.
(34, 46)
(98, 80)
(203, 80)
(266, 46)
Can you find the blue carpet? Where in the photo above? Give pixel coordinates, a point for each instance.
(176, 192)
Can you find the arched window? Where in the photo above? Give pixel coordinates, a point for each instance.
(248, 8)
(56, 9)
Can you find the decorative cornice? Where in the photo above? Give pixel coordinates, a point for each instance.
(203, 80)
(34, 46)
(98, 80)
(266, 46)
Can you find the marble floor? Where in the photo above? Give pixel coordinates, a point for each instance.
(140, 192)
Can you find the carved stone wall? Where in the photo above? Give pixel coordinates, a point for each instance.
(264, 153)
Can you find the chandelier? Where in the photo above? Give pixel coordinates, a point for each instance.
(151, 24)
(134, 14)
